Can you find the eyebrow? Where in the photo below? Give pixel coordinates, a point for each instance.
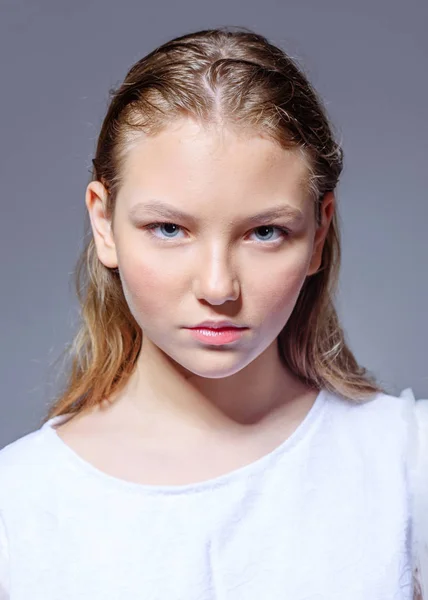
(163, 210)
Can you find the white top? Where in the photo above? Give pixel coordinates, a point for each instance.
(325, 516)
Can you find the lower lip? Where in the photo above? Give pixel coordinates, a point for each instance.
(217, 337)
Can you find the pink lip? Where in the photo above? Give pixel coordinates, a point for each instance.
(217, 336)
(218, 325)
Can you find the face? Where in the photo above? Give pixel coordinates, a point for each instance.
(210, 225)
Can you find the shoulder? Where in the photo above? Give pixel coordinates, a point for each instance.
(381, 410)
(24, 465)
(23, 451)
(384, 425)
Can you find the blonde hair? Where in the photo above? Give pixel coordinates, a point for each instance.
(236, 78)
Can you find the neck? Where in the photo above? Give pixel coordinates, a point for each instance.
(160, 390)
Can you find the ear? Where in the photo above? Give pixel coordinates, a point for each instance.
(327, 212)
(96, 202)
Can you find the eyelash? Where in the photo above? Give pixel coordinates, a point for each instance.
(283, 230)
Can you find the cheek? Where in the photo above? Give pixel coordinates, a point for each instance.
(148, 290)
(279, 289)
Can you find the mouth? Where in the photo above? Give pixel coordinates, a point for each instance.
(217, 336)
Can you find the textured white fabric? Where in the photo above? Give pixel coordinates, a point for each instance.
(418, 476)
(325, 516)
(421, 502)
(4, 562)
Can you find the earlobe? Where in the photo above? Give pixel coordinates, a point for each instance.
(96, 202)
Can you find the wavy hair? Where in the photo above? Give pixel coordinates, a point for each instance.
(235, 78)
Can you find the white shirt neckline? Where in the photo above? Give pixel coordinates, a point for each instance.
(238, 474)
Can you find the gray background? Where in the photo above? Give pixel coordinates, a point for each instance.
(367, 58)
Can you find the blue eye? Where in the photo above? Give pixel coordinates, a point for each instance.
(267, 231)
(168, 229)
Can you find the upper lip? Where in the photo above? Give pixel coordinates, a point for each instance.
(216, 325)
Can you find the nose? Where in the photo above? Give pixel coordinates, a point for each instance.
(216, 281)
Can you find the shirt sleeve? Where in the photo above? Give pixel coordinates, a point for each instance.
(421, 516)
(4, 562)
(418, 463)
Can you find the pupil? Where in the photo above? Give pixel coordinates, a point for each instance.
(168, 227)
(264, 230)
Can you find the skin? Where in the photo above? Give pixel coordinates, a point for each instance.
(215, 265)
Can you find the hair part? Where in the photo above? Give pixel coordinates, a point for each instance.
(229, 79)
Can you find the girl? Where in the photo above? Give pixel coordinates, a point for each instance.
(216, 437)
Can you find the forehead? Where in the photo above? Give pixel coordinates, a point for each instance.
(200, 167)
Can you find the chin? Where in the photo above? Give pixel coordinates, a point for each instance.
(216, 366)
